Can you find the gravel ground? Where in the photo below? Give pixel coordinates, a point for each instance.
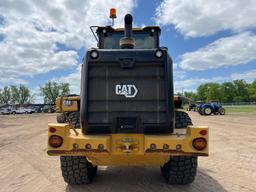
(25, 166)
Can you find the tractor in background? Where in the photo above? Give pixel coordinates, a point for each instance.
(211, 108)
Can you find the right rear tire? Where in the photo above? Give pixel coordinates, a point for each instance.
(77, 170)
(180, 170)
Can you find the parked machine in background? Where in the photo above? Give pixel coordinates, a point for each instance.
(211, 108)
(49, 109)
(192, 107)
(68, 109)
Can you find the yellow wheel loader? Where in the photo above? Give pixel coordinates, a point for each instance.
(67, 108)
(126, 111)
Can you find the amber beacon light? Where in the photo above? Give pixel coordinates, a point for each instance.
(112, 15)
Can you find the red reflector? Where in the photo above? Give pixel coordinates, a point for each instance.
(52, 130)
(199, 144)
(203, 132)
(55, 141)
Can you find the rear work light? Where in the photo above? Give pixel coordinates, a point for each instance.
(55, 141)
(94, 54)
(199, 144)
(159, 53)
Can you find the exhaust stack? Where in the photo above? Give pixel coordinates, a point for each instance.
(127, 42)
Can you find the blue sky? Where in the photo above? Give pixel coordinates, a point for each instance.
(209, 41)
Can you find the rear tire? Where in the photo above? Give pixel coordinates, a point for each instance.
(77, 170)
(207, 111)
(61, 118)
(200, 111)
(222, 111)
(182, 120)
(74, 118)
(180, 170)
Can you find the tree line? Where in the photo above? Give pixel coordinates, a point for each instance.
(227, 92)
(22, 95)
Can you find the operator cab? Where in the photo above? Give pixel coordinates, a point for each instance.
(145, 38)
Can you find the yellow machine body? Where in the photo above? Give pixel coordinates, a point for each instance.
(126, 149)
(67, 104)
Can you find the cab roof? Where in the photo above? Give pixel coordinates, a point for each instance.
(110, 29)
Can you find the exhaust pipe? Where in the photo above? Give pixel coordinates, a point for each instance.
(127, 42)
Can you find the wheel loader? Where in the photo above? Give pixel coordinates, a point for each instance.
(126, 110)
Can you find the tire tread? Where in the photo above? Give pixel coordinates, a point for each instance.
(182, 120)
(180, 170)
(76, 170)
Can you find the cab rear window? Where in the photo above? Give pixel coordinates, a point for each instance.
(143, 40)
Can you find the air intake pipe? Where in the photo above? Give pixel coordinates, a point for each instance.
(127, 42)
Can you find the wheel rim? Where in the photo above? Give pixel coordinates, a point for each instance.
(207, 111)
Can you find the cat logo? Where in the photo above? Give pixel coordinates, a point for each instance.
(129, 91)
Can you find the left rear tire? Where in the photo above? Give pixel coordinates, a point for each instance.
(77, 170)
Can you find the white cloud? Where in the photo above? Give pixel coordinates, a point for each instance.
(227, 51)
(33, 29)
(248, 76)
(15, 81)
(178, 74)
(74, 80)
(195, 18)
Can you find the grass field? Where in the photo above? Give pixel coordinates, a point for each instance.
(240, 108)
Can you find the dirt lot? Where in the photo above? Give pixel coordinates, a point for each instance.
(231, 166)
